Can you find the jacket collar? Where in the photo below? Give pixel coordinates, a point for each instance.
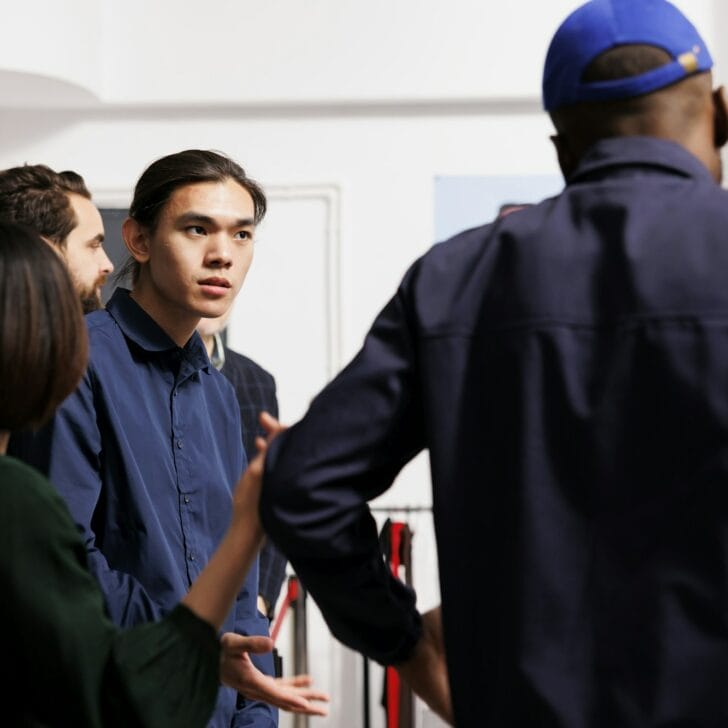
(642, 152)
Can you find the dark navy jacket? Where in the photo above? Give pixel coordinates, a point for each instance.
(145, 453)
(567, 369)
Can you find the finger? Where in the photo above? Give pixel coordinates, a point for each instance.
(260, 645)
(311, 694)
(270, 424)
(315, 710)
(286, 699)
(237, 643)
(297, 704)
(301, 683)
(295, 680)
(306, 692)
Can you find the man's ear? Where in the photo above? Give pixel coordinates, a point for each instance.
(720, 117)
(136, 239)
(567, 159)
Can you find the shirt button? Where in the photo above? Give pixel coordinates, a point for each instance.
(192, 557)
(186, 499)
(179, 444)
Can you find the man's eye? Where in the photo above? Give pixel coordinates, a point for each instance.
(244, 235)
(195, 229)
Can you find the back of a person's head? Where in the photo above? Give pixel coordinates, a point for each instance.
(43, 343)
(577, 69)
(37, 196)
(667, 112)
(627, 68)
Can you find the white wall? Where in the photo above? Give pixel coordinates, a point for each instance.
(51, 52)
(136, 52)
(346, 111)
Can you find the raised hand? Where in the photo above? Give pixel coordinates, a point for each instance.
(293, 694)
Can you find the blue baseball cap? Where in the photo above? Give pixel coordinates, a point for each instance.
(601, 25)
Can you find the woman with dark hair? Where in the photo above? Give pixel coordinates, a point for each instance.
(65, 662)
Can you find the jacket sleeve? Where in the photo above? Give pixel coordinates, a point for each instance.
(319, 475)
(68, 451)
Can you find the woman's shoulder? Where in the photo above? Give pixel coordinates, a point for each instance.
(15, 473)
(23, 488)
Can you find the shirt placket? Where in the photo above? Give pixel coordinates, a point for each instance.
(183, 469)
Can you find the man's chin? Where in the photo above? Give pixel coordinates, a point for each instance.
(91, 302)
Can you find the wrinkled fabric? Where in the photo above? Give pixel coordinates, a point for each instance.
(567, 369)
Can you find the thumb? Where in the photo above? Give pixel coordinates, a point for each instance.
(243, 643)
(270, 424)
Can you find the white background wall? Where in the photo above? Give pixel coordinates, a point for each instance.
(345, 110)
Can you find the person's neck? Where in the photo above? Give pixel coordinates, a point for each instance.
(178, 325)
(4, 439)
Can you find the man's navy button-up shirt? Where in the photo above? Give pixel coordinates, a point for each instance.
(146, 452)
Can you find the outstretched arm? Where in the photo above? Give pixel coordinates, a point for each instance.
(237, 670)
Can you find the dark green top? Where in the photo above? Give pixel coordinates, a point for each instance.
(65, 663)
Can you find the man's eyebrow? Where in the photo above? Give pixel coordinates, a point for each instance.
(193, 217)
(97, 238)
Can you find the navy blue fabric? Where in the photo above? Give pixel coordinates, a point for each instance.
(567, 369)
(255, 389)
(145, 452)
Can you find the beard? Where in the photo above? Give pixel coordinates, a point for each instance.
(91, 297)
(91, 302)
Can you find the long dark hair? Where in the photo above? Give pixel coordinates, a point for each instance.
(43, 341)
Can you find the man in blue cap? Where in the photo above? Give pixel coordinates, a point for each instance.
(567, 369)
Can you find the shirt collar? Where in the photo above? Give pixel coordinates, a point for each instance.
(218, 352)
(640, 152)
(138, 326)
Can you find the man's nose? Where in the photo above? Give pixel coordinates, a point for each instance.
(106, 267)
(219, 253)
